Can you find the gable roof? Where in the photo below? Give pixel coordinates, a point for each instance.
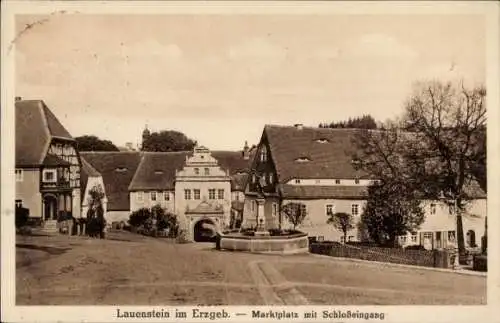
(86, 171)
(36, 125)
(156, 170)
(312, 152)
(117, 169)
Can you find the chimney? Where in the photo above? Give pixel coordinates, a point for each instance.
(18, 98)
(299, 126)
(246, 151)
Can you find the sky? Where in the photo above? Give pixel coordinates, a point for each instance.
(221, 78)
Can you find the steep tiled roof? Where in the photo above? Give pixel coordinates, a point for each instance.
(156, 170)
(322, 192)
(238, 181)
(36, 125)
(325, 153)
(117, 170)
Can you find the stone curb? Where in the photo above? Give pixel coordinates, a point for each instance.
(389, 264)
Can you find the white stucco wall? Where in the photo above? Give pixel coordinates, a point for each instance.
(136, 203)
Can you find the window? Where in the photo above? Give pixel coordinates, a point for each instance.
(329, 209)
(355, 209)
(140, 196)
(337, 181)
(356, 181)
(211, 194)
(254, 178)
(166, 196)
(451, 236)
(342, 239)
(49, 175)
(153, 196)
(263, 154)
(220, 194)
(271, 178)
(187, 194)
(350, 238)
(275, 209)
(433, 208)
(197, 171)
(297, 181)
(207, 171)
(402, 239)
(414, 238)
(19, 203)
(19, 175)
(196, 194)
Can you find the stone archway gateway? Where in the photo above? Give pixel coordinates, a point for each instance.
(204, 230)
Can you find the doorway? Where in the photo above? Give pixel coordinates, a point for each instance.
(50, 207)
(204, 231)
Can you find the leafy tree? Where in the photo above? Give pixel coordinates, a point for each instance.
(363, 122)
(391, 210)
(95, 214)
(93, 143)
(295, 213)
(342, 222)
(168, 140)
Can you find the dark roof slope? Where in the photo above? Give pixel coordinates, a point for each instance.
(52, 160)
(117, 170)
(156, 170)
(328, 152)
(35, 127)
(323, 192)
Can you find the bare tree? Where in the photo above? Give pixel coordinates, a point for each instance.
(342, 222)
(295, 213)
(436, 149)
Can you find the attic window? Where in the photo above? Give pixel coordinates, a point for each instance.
(121, 169)
(322, 140)
(302, 159)
(158, 172)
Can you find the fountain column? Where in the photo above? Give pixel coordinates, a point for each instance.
(261, 218)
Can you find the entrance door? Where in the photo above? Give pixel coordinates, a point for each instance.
(50, 207)
(204, 231)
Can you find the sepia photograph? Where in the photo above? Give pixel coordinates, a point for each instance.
(251, 158)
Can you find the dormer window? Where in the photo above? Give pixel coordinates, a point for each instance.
(158, 172)
(297, 181)
(121, 169)
(356, 181)
(322, 141)
(337, 181)
(302, 159)
(263, 154)
(271, 178)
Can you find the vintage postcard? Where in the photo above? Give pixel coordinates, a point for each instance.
(250, 161)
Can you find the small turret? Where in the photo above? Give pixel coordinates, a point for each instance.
(246, 151)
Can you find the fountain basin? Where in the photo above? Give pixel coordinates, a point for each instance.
(284, 244)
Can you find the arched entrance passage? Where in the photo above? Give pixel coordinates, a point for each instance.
(204, 231)
(50, 207)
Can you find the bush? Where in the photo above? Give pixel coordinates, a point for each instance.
(139, 217)
(182, 237)
(22, 217)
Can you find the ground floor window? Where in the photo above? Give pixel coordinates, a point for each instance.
(19, 203)
(414, 238)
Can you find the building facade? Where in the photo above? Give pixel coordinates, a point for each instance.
(314, 167)
(48, 165)
(203, 189)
